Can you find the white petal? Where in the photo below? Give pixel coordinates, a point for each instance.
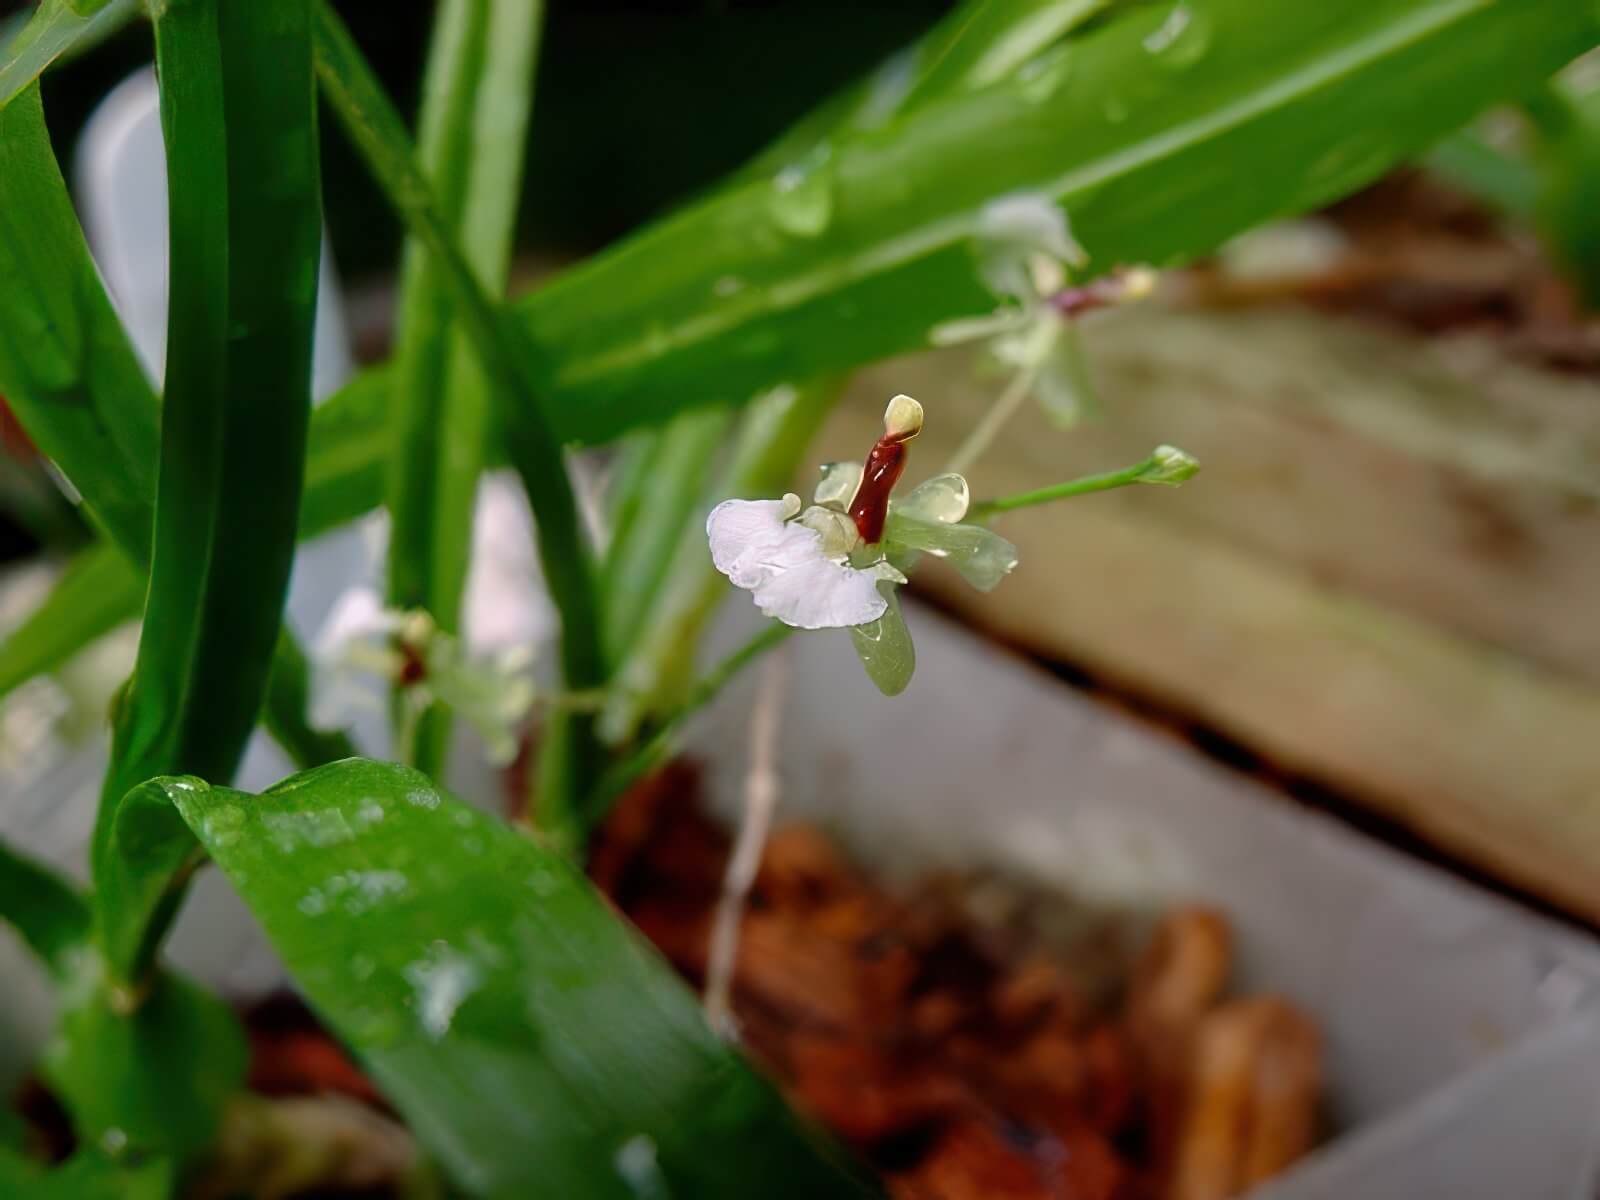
(750, 540)
(821, 594)
(358, 614)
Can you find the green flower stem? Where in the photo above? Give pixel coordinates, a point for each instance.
(1151, 470)
(655, 750)
(369, 117)
(992, 421)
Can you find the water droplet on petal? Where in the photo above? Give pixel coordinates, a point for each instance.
(802, 194)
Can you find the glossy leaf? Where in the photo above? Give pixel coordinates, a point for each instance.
(141, 875)
(43, 908)
(477, 95)
(1142, 136)
(239, 121)
(70, 375)
(144, 1071)
(530, 1040)
(56, 28)
(884, 647)
(67, 368)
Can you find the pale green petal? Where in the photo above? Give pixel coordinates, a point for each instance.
(837, 487)
(942, 499)
(1064, 386)
(884, 646)
(982, 556)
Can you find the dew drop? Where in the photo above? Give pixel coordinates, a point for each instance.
(440, 982)
(1182, 39)
(636, 1165)
(114, 1141)
(801, 202)
(1115, 109)
(727, 285)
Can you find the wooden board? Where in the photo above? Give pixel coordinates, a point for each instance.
(1387, 575)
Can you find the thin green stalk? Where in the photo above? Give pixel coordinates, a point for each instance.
(239, 121)
(992, 422)
(659, 745)
(532, 448)
(477, 96)
(1158, 468)
(642, 550)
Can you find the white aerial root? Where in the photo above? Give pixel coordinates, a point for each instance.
(760, 802)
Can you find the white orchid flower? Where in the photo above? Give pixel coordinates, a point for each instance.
(797, 564)
(836, 563)
(1026, 254)
(365, 650)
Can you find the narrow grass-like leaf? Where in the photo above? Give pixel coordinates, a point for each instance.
(239, 121)
(642, 550)
(56, 28)
(655, 675)
(98, 591)
(70, 375)
(528, 1037)
(287, 705)
(478, 92)
(43, 908)
(531, 446)
(67, 368)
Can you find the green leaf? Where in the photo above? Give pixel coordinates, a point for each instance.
(56, 28)
(87, 1175)
(654, 675)
(1567, 151)
(673, 482)
(477, 95)
(146, 1071)
(239, 121)
(98, 591)
(531, 445)
(884, 646)
(67, 368)
(141, 875)
(43, 908)
(529, 1039)
(70, 375)
(1145, 148)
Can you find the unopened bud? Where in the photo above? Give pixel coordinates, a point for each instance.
(1170, 465)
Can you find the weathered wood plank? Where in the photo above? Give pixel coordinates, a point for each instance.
(1387, 575)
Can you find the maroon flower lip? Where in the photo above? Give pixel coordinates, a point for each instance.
(885, 463)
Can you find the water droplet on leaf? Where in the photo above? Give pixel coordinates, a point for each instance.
(802, 194)
(1181, 40)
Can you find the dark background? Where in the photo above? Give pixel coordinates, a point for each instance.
(638, 105)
